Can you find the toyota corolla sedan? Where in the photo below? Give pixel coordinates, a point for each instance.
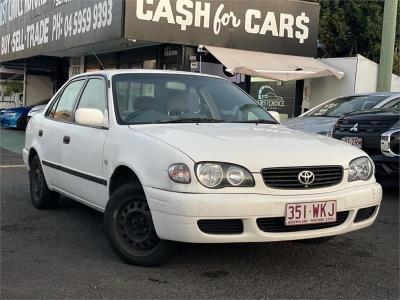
(180, 157)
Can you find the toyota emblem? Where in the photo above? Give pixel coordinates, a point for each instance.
(306, 177)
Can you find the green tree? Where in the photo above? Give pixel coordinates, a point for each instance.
(353, 27)
(13, 87)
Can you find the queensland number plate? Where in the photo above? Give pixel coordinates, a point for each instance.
(310, 213)
(354, 141)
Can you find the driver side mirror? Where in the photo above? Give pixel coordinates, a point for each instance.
(275, 115)
(90, 117)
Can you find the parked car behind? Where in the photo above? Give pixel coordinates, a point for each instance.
(16, 117)
(322, 118)
(183, 157)
(39, 107)
(377, 132)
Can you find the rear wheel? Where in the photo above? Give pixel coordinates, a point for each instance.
(130, 229)
(41, 196)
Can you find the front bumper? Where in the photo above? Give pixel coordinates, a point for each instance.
(175, 215)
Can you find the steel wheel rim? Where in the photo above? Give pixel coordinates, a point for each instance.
(134, 229)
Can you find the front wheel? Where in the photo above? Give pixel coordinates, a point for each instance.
(130, 229)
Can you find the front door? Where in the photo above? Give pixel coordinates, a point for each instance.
(82, 154)
(51, 132)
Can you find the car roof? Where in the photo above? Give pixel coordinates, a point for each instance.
(387, 94)
(110, 73)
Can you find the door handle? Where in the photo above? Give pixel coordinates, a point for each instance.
(66, 139)
(40, 132)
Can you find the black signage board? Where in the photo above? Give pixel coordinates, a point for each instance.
(275, 26)
(39, 27)
(275, 96)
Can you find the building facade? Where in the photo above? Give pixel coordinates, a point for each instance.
(52, 40)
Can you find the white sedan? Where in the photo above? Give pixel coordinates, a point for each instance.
(181, 157)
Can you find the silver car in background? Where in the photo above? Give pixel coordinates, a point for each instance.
(323, 117)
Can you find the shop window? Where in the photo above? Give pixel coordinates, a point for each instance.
(274, 95)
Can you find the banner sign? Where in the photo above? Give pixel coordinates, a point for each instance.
(275, 26)
(39, 27)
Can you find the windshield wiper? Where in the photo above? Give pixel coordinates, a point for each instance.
(258, 121)
(191, 120)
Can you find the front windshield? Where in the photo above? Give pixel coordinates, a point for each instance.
(168, 98)
(340, 106)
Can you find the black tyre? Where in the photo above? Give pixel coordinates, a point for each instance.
(317, 240)
(22, 123)
(41, 196)
(130, 229)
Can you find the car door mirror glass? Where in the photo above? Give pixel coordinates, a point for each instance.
(90, 117)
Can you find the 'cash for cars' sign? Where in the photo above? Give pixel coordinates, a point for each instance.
(36, 27)
(276, 26)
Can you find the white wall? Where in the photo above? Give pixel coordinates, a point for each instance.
(38, 88)
(361, 75)
(326, 88)
(395, 83)
(366, 76)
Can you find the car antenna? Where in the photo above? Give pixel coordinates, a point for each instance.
(98, 59)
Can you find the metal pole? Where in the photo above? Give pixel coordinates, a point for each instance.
(24, 86)
(387, 46)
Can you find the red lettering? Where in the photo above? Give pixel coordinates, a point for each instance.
(332, 212)
(323, 210)
(315, 210)
(298, 211)
(291, 211)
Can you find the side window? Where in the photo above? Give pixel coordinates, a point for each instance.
(395, 103)
(94, 95)
(50, 112)
(65, 106)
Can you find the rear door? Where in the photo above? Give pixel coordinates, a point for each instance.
(82, 154)
(51, 131)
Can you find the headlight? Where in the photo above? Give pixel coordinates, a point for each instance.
(360, 169)
(179, 173)
(219, 175)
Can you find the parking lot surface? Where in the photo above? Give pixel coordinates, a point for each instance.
(63, 253)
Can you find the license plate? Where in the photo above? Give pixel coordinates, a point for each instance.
(354, 141)
(310, 213)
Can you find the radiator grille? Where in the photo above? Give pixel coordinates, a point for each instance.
(288, 178)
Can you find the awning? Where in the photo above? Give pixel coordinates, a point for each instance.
(272, 66)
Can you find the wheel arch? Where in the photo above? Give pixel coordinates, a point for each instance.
(32, 153)
(122, 175)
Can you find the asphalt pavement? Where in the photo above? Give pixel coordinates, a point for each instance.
(63, 253)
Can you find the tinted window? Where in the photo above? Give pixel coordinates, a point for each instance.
(340, 106)
(67, 101)
(161, 98)
(394, 103)
(94, 95)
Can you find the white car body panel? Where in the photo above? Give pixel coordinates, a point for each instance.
(148, 150)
